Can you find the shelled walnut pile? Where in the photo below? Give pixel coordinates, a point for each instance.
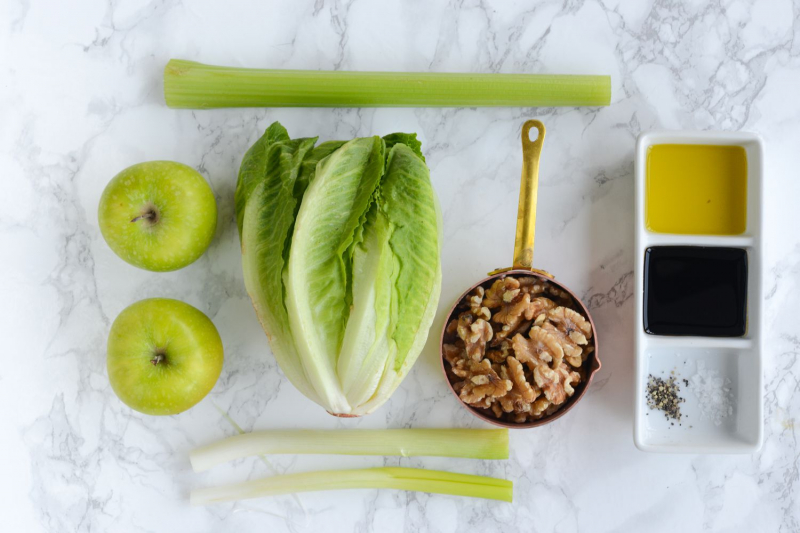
(517, 348)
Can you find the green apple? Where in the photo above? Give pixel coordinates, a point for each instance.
(158, 215)
(164, 356)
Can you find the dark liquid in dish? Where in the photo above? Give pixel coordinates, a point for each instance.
(695, 290)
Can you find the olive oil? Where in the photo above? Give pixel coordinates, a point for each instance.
(696, 189)
(695, 290)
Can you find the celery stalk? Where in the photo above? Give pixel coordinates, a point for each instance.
(197, 86)
(416, 479)
(468, 443)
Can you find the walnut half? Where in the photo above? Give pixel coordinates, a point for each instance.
(483, 384)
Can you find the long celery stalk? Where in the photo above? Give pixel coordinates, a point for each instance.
(415, 479)
(192, 85)
(468, 443)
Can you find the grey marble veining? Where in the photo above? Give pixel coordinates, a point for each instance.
(81, 98)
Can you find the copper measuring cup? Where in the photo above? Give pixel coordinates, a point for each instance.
(522, 266)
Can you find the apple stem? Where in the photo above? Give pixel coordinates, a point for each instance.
(157, 359)
(150, 215)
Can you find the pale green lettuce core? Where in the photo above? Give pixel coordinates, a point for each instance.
(340, 250)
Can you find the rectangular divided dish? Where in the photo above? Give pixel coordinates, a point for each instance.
(733, 360)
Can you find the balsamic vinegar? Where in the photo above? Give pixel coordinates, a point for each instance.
(695, 290)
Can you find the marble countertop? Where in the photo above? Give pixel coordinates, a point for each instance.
(81, 98)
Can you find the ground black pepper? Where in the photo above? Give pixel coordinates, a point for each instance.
(662, 394)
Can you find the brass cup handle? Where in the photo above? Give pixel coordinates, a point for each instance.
(529, 185)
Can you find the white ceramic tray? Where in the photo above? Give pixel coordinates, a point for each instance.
(736, 359)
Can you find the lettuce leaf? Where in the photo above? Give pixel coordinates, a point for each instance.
(272, 199)
(408, 223)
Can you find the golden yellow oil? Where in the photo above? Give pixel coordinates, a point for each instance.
(696, 189)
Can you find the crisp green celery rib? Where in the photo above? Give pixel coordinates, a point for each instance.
(192, 85)
(467, 443)
(416, 479)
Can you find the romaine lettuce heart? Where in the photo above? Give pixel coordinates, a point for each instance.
(340, 250)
